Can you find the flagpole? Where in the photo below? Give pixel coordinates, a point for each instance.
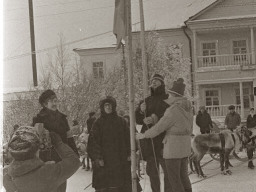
(131, 95)
(143, 51)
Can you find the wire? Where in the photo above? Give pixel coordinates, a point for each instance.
(54, 47)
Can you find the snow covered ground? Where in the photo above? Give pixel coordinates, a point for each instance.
(242, 179)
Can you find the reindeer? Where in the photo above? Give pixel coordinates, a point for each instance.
(223, 143)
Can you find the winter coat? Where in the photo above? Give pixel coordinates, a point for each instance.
(54, 121)
(232, 120)
(109, 141)
(89, 123)
(154, 105)
(36, 176)
(251, 121)
(178, 124)
(204, 121)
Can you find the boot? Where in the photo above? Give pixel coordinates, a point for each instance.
(250, 165)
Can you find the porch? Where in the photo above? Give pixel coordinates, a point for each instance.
(225, 60)
(221, 110)
(217, 96)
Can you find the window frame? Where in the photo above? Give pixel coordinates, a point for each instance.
(217, 51)
(98, 70)
(212, 89)
(249, 96)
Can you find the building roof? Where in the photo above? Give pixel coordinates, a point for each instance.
(158, 15)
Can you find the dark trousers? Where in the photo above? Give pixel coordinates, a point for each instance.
(177, 170)
(88, 162)
(250, 155)
(152, 171)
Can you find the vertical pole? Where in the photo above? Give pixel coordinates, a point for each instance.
(195, 49)
(253, 87)
(143, 51)
(241, 99)
(32, 35)
(252, 46)
(131, 95)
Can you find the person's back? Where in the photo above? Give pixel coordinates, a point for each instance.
(27, 173)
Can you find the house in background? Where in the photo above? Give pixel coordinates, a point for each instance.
(221, 36)
(224, 39)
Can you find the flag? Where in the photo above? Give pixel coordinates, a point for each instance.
(120, 24)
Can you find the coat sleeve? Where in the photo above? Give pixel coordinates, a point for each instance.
(64, 169)
(198, 120)
(94, 142)
(226, 120)
(162, 125)
(139, 116)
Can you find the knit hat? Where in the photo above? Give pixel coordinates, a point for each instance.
(231, 107)
(158, 77)
(178, 87)
(46, 95)
(24, 143)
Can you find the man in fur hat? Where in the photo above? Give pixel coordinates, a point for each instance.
(147, 114)
(28, 172)
(54, 121)
(177, 122)
(109, 149)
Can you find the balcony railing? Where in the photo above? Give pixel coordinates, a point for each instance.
(221, 110)
(224, 60)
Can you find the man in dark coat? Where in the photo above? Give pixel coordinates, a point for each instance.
(54, 121)
(204, 121)
(251, 123)
(232, 119)
(109, 149)
(89, 123)
(147, 114)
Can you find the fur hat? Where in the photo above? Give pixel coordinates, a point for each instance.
(24, 143)
(109, 99)
(231, 107)
(46, 95)
(178, 87)
(158, 77)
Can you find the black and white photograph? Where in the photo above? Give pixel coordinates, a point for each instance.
(128, 95)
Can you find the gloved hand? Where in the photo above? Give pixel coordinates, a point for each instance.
(55, 138)
(98, 163)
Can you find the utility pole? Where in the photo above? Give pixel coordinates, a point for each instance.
(143, 51)
(32, 36)
(128, 43)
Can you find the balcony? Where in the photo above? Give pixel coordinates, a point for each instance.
(225, 60)
(221, 110)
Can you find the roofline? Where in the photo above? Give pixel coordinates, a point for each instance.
(204, 10)
(134, 32)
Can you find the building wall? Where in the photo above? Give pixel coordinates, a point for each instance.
(230, 8)
(112, 57)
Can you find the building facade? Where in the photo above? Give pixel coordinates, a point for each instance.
(220, 39)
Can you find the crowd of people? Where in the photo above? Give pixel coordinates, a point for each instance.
(166, 117)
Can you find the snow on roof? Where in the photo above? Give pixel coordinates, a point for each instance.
(158, 15)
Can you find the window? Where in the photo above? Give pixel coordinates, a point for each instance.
(246, 93)
(98, 70)
(212, 97)
(209, 53)
(240, 50)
